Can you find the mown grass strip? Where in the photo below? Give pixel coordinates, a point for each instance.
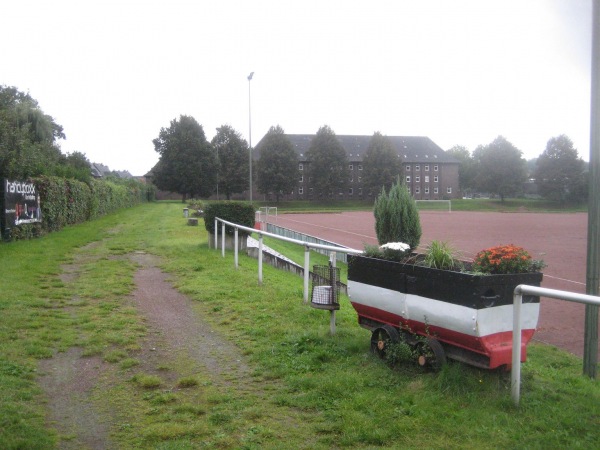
(307, 389)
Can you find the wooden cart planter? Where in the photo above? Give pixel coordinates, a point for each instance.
(457, 315)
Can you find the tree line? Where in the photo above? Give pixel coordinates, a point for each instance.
(498, 168)
(194, 167)
(191, 165)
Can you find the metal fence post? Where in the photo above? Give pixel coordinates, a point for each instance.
(515, 376)
(260, 259)
(306, 271)
(216, 234)
(235, 244)
(223, 240)
(333, 290)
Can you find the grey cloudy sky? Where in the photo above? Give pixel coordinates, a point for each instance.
(462, 72)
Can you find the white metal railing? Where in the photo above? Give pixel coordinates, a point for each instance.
(307, 247)
(519, 291)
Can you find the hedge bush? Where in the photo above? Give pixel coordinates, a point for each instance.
(241, 213)
(69, 201)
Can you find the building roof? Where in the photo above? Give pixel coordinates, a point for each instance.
(410, 149)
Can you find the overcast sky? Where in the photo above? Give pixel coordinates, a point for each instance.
(462, 72)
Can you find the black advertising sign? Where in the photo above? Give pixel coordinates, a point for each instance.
(21, 203)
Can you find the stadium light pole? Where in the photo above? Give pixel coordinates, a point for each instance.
(250, 132)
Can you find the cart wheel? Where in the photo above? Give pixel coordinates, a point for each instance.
(431, 354)
(381, 337)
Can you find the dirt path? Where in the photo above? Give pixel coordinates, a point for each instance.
(71, 380)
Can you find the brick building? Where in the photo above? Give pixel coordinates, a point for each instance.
(427, 170)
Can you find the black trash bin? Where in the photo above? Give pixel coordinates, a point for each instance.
(325, 287)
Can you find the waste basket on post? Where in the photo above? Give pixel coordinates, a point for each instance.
(325, 287)
(186, 212)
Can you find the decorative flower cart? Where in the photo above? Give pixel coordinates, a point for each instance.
(441, 313)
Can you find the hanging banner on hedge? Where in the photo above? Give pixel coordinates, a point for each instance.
(21, 203)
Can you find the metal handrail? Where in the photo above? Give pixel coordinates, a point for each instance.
(519, 291)
(307, 247)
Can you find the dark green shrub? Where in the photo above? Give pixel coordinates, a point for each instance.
(397, 217)
(241, 213)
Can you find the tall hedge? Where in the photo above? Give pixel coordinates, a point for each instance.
(397, 217)
(241, 213)
(68, 201)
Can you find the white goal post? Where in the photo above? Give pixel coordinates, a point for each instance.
(266, 211)
(434, 205)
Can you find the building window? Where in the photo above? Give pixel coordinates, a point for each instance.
(417, 179)
(301, 178)
(351, 178)
(350, 191)
(426, 178)
(426, 167)
(351, 167)
(408, 167)
(359, 179)
(300, 166)
(417, 190)
(300, 190)
(359, 191)
(435, 190)
(427, 190)
(408, 178)
(435, 168)
(449, 190)
(360, 167)
(435, 179)
(310, 191)
(408, 187)
(417, 167)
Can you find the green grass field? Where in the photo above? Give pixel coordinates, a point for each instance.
(307, 389)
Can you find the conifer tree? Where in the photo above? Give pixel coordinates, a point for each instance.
(397, 217)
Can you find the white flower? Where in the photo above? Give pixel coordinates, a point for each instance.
(396, 246)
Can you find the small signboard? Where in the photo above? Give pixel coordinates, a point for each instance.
(21, 204)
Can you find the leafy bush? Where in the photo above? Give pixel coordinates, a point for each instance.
(397, 217)
(241, 213)
(69, 201)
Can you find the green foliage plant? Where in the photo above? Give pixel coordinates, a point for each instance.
(241, 213)
(397, 217)
(441, 255)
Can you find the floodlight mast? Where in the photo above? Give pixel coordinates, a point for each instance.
(250, 132)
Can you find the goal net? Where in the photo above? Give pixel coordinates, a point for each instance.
(434, 205)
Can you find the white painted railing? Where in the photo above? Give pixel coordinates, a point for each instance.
(521, 290)
(307, 247)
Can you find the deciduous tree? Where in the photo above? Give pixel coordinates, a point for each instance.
(328, 163)
(500, 168)
(559, 171)
(232, 158)
(28, 137)
(466, 169)
(187, 164)
(278, 164)
(380, 165)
